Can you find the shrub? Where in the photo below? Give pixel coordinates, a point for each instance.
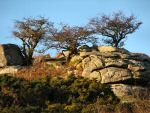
(54, 108)
(52, 94)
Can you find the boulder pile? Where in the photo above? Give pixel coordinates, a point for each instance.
(126, 72)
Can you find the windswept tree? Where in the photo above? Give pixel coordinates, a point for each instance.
(115, 27)
(70, 38)
(31, 31)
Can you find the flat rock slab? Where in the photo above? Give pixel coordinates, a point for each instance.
(131, 93)
(10, 70)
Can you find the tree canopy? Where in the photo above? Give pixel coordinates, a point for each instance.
(70, 38)
(115, 27)
(31, 31)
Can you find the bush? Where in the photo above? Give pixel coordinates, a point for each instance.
(54, 108)
(52, 95)
(20, 109)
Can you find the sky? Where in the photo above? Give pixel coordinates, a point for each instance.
(76, 12)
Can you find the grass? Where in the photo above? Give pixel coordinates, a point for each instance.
(43, 69)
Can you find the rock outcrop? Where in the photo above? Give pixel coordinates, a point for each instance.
(112, 65)
(10, 54)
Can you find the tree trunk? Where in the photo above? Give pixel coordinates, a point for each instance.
(68, 58)
(116, 44)
(73, 51)
(28, 59)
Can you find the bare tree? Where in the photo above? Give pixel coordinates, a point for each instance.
(70, 38)
(31, 31)
(115, 27)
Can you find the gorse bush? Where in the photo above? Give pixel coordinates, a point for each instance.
(52, 95)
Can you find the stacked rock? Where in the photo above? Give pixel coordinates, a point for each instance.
(126, 72)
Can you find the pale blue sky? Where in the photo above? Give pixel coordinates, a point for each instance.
(76, 12)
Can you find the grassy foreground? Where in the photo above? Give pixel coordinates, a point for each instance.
(61, 95)
(52, 95)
